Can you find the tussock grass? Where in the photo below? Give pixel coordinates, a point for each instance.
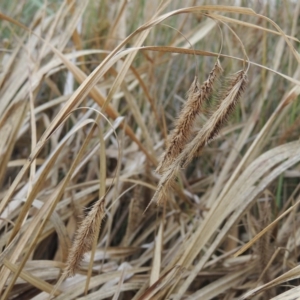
(107, 106)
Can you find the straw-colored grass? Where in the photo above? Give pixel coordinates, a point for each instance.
(106, 106)
(182, 132)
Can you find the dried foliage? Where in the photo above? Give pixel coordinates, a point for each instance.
(93, 94)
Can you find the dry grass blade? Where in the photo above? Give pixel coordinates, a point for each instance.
(231, 20)
(162, 283)
(37, 282)
(118, 291)
(157, 256)
(263, 250)
(289, 275)
(290, 294)
(265, 230)
(169, 49)
(8, 131)
(219, 286)
(85, 236)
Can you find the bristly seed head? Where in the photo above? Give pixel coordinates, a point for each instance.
(211, 129)
(227, 104)
(85, 236)
(183, 126)
(179, 152)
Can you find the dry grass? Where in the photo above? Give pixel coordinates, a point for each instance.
(92, 103)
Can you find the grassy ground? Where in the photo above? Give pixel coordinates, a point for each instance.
(90, 94)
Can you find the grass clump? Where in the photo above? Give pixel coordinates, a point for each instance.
(88, 105)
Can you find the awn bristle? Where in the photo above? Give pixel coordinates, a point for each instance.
(183, 126)
(229, 101)
(85, 236)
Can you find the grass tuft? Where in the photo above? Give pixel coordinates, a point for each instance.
(93, 93)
